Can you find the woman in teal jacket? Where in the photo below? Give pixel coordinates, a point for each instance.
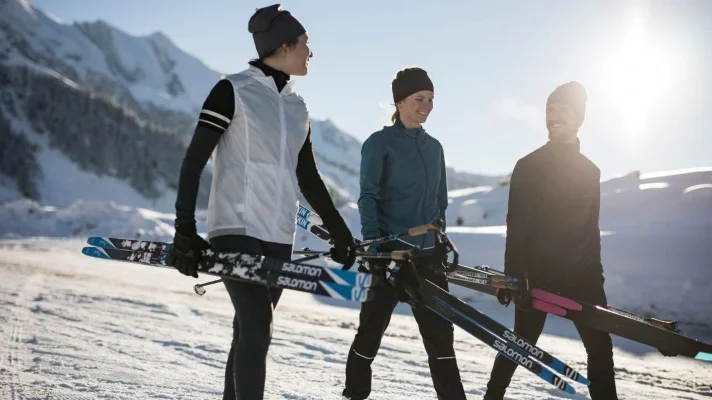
(403, 184)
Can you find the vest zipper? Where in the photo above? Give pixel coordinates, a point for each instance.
(282, 147)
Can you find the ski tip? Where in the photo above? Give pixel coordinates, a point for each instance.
(95, 252)
(100, 242)
(702, 356)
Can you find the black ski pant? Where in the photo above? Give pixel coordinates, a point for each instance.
(530, 324)
(436, 332)
(252, 325)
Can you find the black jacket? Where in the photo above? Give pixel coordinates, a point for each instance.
(552, 222)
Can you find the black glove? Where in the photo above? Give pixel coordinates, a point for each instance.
(186, 252)
(375, 266)
(343, 250)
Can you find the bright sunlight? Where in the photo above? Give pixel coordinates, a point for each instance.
(636, 77)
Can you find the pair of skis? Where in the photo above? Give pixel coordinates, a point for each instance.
(657, 333)
(489, 331)
(294, 275)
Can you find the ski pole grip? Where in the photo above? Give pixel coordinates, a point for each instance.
(423, 229)
(401, 255)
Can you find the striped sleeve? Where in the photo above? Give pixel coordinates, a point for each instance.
(218, 108)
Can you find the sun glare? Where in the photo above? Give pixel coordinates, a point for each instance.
(636, 77)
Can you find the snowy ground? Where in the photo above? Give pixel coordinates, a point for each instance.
(78, 328)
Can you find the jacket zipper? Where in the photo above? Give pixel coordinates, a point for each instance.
(422, 203)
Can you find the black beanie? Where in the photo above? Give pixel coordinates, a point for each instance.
(572, 94)
(408, 81)
(272, 27)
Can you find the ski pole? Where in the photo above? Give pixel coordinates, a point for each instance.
(313, 256)
(435, 226)
(200, 287)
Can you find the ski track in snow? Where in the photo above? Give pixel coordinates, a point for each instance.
(78, 328)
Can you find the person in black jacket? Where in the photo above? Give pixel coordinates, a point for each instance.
(553, 238)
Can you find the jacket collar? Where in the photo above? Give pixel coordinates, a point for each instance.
(410, 132)
(268, 81)
(571, 147)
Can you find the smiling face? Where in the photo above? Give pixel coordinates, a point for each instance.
(562, 122)
(415, 109)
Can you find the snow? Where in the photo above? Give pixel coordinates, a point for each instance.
(85, 328)
(656, 230)
(338, 156)
(80, 328)
(74, 327)
(131, 61)
(64, 183)
(655, 243)
(8, 190)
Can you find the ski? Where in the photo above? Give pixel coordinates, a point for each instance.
(327, 274)
(446, 305)
(660, 334)
(126, 244)
(256, 269)
(514, 338)
(622, 324)
(312, 223)
(457, 312)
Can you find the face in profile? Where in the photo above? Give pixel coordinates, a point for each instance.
(296, 58)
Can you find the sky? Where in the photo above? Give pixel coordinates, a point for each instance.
(645, 66)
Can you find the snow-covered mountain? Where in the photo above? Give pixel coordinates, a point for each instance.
(93, 84)
(149, 69)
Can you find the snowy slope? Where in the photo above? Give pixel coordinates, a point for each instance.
(151, 68)
(338, 157)
(656, 230)
(79, 328)
(652, 266)
(634, 201)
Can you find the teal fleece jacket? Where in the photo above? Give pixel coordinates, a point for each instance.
(403, 183)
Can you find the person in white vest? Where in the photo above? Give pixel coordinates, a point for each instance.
(257, 129)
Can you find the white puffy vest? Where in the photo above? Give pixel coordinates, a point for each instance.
(254, 187)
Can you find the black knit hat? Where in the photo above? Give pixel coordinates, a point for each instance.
(572, 94)
(272, 27)
(408, 81)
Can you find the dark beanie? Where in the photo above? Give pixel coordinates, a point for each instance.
(272, 27)
(572, 94)
(408, 81)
